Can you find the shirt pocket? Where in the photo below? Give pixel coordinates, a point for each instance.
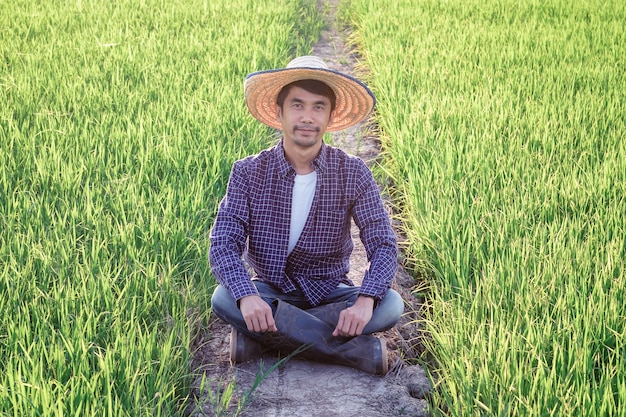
(332, 224)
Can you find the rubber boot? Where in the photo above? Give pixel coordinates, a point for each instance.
(328, 313)
(300, 329)
(244, 347)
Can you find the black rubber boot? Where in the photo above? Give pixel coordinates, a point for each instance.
(243, 347)
(300, 329)
(328, 313)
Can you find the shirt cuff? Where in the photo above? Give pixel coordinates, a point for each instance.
(374, 297)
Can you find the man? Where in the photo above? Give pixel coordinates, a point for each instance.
(288, 211)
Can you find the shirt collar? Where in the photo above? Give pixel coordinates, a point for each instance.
(284, 167)
(321, 161)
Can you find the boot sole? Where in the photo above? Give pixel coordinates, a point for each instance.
(233, 346)
(383, 354)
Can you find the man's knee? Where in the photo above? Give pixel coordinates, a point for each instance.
(394, 304)
(387, 314)
(222, 303)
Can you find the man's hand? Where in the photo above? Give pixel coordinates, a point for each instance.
(257, 314)
(353, 319)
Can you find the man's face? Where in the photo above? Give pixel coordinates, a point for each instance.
(304, 117)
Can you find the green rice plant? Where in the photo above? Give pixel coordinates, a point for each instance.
(119, 123)
(503, 126)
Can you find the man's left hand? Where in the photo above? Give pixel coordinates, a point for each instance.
(353, 319)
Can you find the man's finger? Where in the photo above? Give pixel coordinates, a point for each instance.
(340, 323)
(271, 324)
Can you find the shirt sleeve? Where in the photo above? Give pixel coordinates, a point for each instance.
(377, 236)
(229, 236)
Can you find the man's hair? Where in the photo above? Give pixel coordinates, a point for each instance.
(312, 86)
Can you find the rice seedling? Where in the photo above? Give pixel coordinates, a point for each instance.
(224, 402)
(119, 123)
(503, 122)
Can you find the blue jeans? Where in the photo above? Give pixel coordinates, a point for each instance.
(385, 316)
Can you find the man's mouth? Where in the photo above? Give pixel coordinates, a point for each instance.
(313, 129)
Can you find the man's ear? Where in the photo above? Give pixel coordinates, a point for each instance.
(279, 113)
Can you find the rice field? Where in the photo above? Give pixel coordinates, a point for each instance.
(504, 127)
(118, 126)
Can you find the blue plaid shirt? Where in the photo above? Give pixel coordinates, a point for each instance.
(253, 220)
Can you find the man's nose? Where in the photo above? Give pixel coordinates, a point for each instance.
(306, 117)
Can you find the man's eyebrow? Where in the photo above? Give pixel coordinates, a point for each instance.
(300, 101)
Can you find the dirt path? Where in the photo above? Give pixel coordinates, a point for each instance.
(300, 388)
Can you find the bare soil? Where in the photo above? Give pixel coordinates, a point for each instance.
(299, 388)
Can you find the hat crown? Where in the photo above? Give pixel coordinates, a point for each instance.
(307, 61)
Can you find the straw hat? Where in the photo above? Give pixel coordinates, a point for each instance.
(354, 100)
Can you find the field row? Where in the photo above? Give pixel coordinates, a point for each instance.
(504, 126)
(119, 123)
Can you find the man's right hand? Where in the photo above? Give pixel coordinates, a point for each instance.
(257, 314)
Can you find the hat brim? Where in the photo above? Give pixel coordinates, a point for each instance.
(354, 100)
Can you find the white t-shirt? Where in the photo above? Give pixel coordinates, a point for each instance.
(303, 192)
